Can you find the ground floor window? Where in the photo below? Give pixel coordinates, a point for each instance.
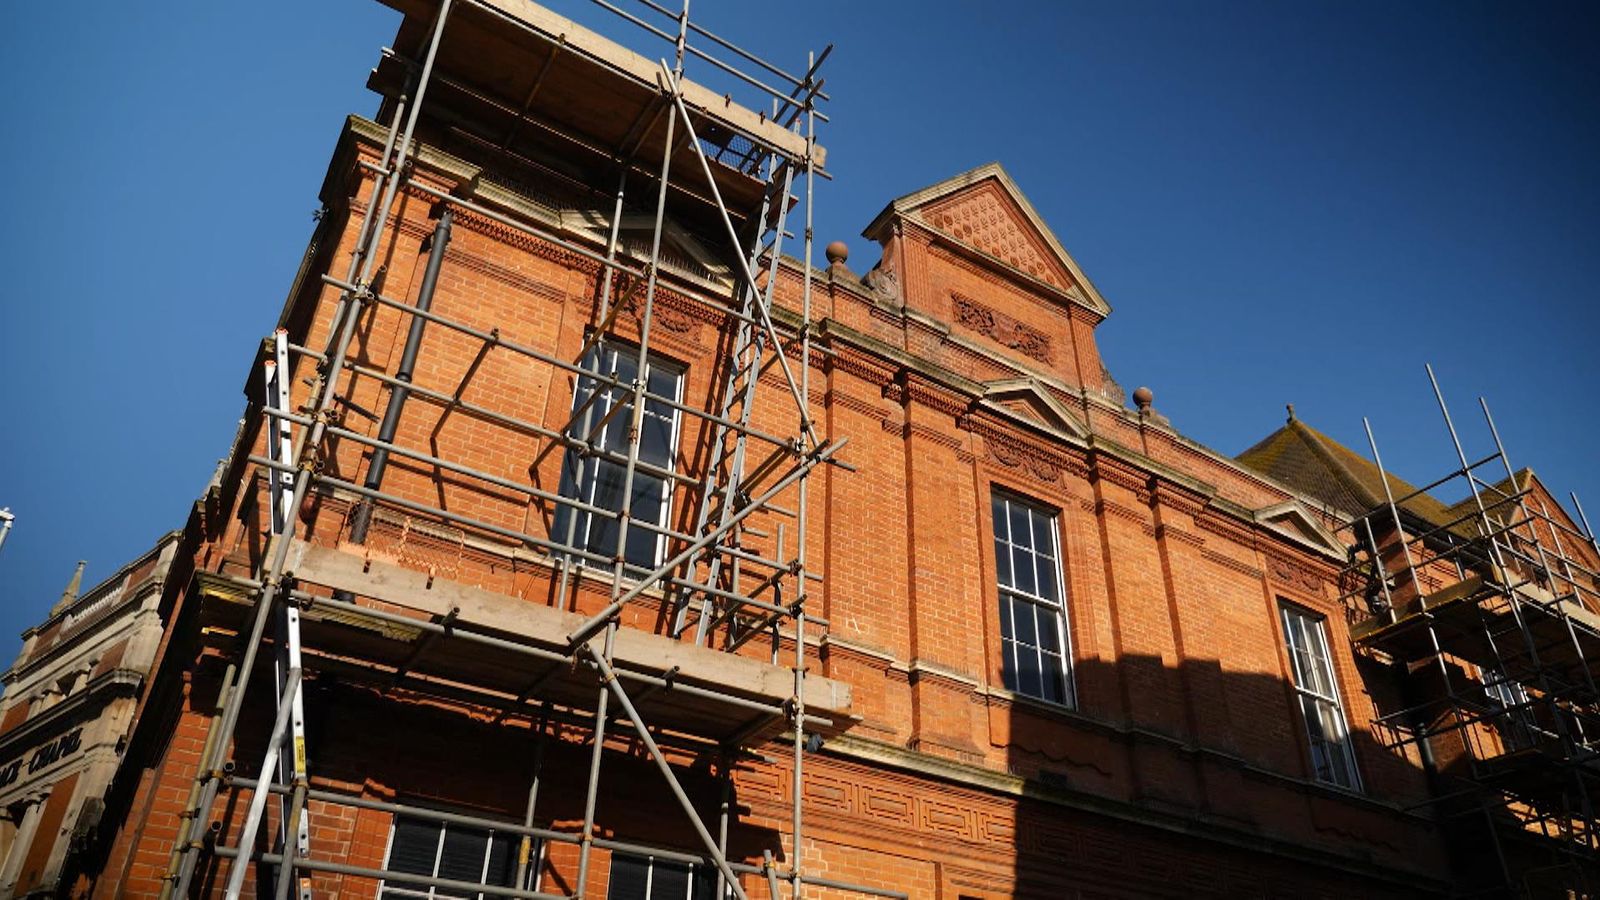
(447, 850)
(649, 878)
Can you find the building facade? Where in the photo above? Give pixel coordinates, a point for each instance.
(67, 713)
(508, 584)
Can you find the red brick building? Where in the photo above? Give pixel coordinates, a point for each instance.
(518, 572)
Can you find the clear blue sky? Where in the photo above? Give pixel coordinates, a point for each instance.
(1283, 201)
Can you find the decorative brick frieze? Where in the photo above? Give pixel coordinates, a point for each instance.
(1016, 455)
(1294, 574)
(1000, 328)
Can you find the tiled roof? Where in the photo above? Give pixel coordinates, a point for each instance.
(1313, 463)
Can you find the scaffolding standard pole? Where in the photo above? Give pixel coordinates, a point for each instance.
(802, 518)
(342, 330)
(258, 798)
(744, 269)
(649, 741)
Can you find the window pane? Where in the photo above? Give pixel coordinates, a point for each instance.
(1002, 561)
(413, 848)
(655, 439)
(705, 883)
(1051, 674)
(1022, 569)
(1049, 631)
(646, 507)
(663, 382)
(1028, 674)
(1044, 537)
(998, 507)
(1022, 613)
(1006, 631)
(1020, 533)
(616, 433)
(669, 881)
(1047, 578)
(503, 859)
(629, 878)
(463, 852)
(1008, 664)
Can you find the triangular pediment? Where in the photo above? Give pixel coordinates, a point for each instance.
(984, 211)
(1027, 400)
(1295, 522)
(680, 250)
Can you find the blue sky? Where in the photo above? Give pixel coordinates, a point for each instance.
(1283, 202)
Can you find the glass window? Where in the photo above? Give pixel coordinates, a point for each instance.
(1332, 761)
(602, 417)
(1033, 619)
(1514, 720)
(649, 878)
(445, 850)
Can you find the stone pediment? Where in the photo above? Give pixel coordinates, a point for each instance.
(1028, 400)
(984, 211)
(1293, 521)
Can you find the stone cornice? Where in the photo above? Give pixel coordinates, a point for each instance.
(117, 682)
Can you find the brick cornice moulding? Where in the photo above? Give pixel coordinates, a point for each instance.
(1136, 514)
(1166, 531)
(933, 395)
(1171, 495)
(933, 436)
(1115, 471)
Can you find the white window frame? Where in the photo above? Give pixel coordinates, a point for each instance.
(586, 477)
(1012, 593)
(1307, 645)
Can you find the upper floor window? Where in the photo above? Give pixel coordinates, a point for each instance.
(1514, 720)
(649, 878)
(447, 850)
(1332, 760)
(1033, 617)
(603, 416)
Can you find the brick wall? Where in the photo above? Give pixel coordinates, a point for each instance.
(1181, 769)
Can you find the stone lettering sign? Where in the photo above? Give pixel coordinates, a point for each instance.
(63, 746)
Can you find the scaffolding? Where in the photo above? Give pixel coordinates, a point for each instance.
(696, 683)
(1492, 619)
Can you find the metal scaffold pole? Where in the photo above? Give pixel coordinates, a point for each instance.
(750, 470)
(1486, 595)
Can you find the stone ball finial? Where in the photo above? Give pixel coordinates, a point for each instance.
(1143, 396)
(837, 253)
